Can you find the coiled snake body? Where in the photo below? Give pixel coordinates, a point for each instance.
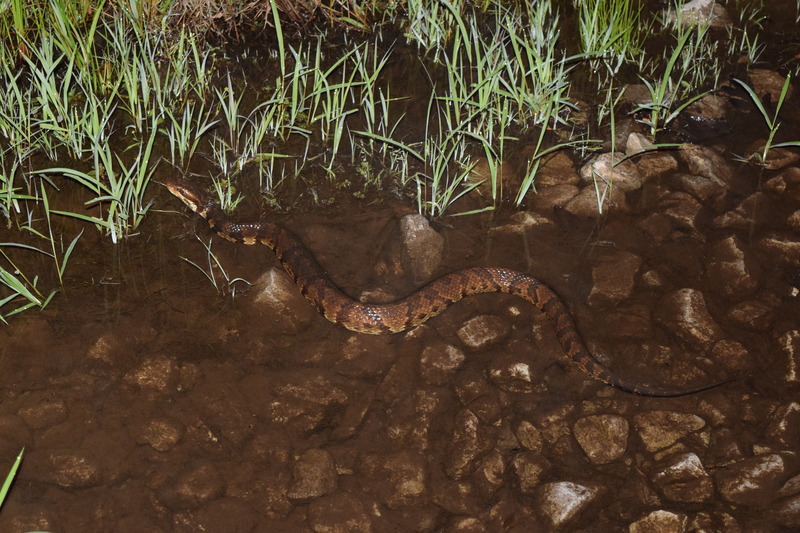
(416, 308)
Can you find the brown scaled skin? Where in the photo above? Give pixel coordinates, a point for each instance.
(413, 310)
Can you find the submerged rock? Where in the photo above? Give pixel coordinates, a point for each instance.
(510, 373)
(768, 84)
(529, 436)
(340, 511)
(161, 434)
(438, 362)
(43, 410)
(683, 210)
(713, 108)
(793, 221)
(729, 269)
(703, 12)
(780, 248)
(76, 470)
(777, 158)
(365, 356)
(707, 522)
(786, 512)
(398, 480)
(466, 525)
(651, 163)
(556, 169)
(613, 278)
(754, 315)
(706, 162)
(563, 501)
(631, 321)
(470, 441)
(611, 168)
(491, 473)
(302, 400)
(702, 188)
(475, 392)
(422, 247)
(660, 429)
(155, 374)
(684, 313)
(604, 438)
(748, 214)
(784, 426)
(660, 522)
(197, 485)
(529, 468)
(789, 348)
(683, 478)
(553, 197)
(732, 355)
(223, 514)
(483, 331)
(595, 199)
(280, 303)
(313, 475)
(752, 481)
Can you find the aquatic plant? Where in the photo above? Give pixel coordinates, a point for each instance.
(97, 93)
(610, 31)
(771, 120)
(119, 188)
(185, 131)
(214, 266)
(10, 477)
(20, 287)
(668, 94)
(431, 24)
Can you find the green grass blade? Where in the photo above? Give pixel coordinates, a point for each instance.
(19, 288)
(756, 101)
(10, 477)
(27, 246)
(276, 19)
(86, 218)
(795, 144)
(63, 266)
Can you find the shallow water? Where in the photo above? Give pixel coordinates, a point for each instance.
(146, 401)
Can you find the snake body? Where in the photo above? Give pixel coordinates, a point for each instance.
(413, 310)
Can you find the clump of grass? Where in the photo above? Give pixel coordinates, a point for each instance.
(22, 291)
(119, 188)
(685, 71)
(610, 31)
(743, 39)
(771, 120)
(98, 93)
(185, 130)
(431, 24)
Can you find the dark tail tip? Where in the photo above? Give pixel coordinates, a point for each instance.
(664, 392)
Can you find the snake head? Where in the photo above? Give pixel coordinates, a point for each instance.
(188, 193)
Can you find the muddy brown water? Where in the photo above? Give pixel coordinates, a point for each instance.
(148, 402)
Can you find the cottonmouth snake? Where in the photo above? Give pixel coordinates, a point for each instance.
(416, 308)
